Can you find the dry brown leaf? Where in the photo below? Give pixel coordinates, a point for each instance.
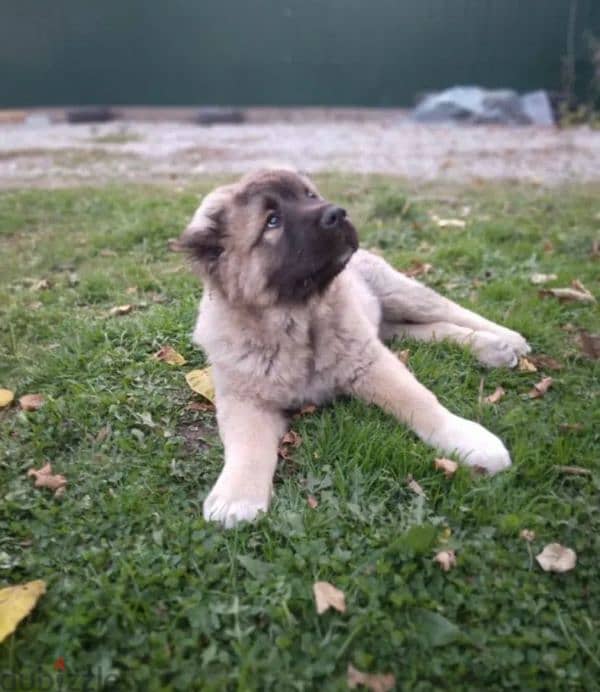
(571, 427)
(35, 305)
(527, 535)
(130, 290)
(169, 355)
(556, 558)
(103, 433)
(573, 470)
(291, 438)
(595, 249)
(548, 246)
(373, 681)
(525, 365)
(590, 344)
(538, 279)
(448, 466)
(200, 406)
(540, 389)
(417, 269)
(306, 410)
(107, 253)
(44, 478)
(403, 356)
(119, 310)
(495, 397)
(41, 285)
(16, 602)
(544, 361)
(577, 292)
(289, 441)
(6, 397)
(312, 502)
(446, 559)
(31, 402)
(327, 596)
(200, 381)
(414, 486)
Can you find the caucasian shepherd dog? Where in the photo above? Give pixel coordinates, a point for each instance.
(293, 313)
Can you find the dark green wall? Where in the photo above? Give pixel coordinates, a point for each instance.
(277, 52)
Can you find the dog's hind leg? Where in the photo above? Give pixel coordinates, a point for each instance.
(251, 438)
(406, 303)
(491, 350)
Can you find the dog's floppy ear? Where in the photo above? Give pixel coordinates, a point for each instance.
(203, 238)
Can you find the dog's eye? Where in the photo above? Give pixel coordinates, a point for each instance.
(273, 220)
(311, 194)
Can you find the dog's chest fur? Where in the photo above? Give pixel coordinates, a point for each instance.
(290, 355)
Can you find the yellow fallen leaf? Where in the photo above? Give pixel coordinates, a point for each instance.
(16, 602)
(495, 397)
(200, 381)
(525, 365)
(446, 559)
(44, 478)
(556, 558)
(541, 388)
(448, 466)
(6, 397)
(373, 681)
(537, 279)
(31, 402)
(449, 223)
(169, 355)
(327, 596)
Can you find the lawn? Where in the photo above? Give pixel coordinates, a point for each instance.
(143, 594)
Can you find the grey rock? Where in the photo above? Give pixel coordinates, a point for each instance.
(471, 104)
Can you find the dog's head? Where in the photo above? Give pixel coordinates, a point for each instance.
(269, 238)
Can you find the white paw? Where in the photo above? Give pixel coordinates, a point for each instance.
(230, 509)
(235, 498)
(475, 445)
(496, 350)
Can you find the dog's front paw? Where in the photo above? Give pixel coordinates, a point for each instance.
(475, 445)
(230, 505)
(495, 350)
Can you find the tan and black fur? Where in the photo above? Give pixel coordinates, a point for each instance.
(293, 313)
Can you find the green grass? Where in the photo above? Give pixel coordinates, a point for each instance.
(143, 592)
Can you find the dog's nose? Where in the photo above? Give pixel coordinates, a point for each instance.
(332, 217)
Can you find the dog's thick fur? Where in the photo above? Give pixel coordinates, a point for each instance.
(292, 313)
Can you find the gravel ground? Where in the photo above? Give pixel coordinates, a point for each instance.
(55, 155)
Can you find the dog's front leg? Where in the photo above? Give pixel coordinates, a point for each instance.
(251, 437)
(389, 384)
